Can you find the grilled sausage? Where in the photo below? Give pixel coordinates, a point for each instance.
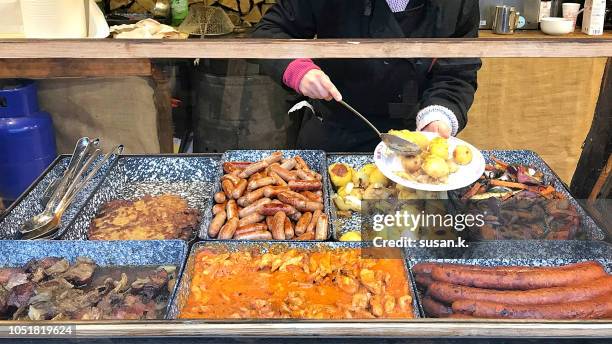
(255, 227)
(321, 229)
(587, 290)
(302, 224)
(261, 235)
(289, 230)
(273, 158)
(423, 280)
(313, 223)
(278, 226)
(273, 191)
(239, 189)
(305, 185)
(303, 175)
(251, 198)
(308, 236)
(232, 178)
(252, 169)
(231, 166)
(217, 208)
(300, 164)
(228, 188)
(271, 209)
(260, 183)
(521, 280)
(597, 308)
(269, 222)
(283, 173)
(253, 208)
(299, 204)
(435, 309)
(278, 181)
(220, 197)
(228, 230)
(312, 196)
(216, 224)
(256, 176)
(231, 209)
(251, 219)
(295, 217)
(288, 164)
(296, 195)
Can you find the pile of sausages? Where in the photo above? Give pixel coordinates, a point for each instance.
(272, 199)
(576, 291)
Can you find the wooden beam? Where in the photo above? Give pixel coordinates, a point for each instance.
(73, 68)
(320, 48)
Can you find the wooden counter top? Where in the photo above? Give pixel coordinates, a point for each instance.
(521, 44)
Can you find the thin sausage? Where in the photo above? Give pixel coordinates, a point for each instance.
(269, 222)
(216, 224)
(315, 219)
(521, 280)
(312, 196)
(217, 208)
(296, 195)
(278, 181)
(239, 189)
(231, 166)
(252, 169)
(289, 230)
(299, 204)
(273, 158)
(305, 185)
(220, 197)
(322, 227)
(302, 224)
(301, 164)
(251, 219)
(587, 290)
(255, 227)
(271, 209)
(232, 178)
(278, 226)
(231, 209)
(273, 191)
(262, 235)
(228, 188)
(308, 236)
(283, 173)
(288, 164)
(251, 198)
(253, 208)
(260, 183)
(227, 231)
(256, 176)
(597, 308)
(303, 175)
(435, 309)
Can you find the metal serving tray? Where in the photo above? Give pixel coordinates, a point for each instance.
(29, 203)
(189, 176)
(518, 253)
(316, 160)
(105, 253)
(342, 225)
(262, 246)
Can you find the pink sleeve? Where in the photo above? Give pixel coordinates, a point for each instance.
(296, 71)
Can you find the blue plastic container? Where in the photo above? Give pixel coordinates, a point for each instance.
(27, 139)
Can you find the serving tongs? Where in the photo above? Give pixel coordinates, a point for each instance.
(394, 143)
(83, 166)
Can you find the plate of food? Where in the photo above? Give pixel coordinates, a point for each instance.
(442, 165)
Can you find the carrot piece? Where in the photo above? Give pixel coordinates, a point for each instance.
(496, 182)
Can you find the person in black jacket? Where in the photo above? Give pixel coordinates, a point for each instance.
(423, 94)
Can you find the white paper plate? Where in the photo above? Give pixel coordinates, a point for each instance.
(389, 163)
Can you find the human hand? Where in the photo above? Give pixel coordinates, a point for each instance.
(316, 85)
(440, 127)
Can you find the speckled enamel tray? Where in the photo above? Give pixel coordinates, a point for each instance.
(517, 253)
(315, 159)
(189, 176)
(342, 225)
(261, 246)
(105, 253)
(28, 204)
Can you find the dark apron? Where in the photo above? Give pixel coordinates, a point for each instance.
(386, 91)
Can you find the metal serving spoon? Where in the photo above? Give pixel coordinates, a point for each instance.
(396, 144)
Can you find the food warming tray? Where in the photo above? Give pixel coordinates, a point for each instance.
(189, 176)
(29, 203)
(262, 246)
(590, 227)
(15, 253)
(314, 158)
(519, 253)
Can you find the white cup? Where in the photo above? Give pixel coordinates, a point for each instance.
(571, 10)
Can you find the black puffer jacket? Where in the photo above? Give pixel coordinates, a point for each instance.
(383, 88)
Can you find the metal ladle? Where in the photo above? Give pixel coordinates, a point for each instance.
(395, 143)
